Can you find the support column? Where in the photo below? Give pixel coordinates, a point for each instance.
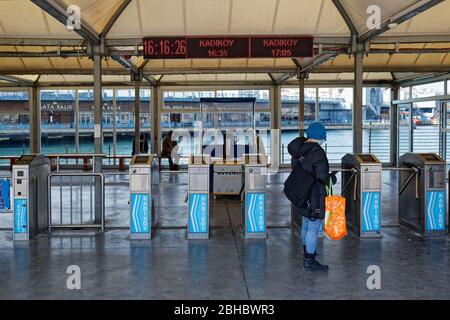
(394, 125)
(276, 149)
(76, 121)
(357, 103)
(276, 107)
(98, 132)
(301, 113)
(156, 119)
(137, 112)
(317, 107)
(35, 120)
(114, 125)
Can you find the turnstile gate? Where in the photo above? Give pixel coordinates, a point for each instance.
(361, 186)
(254, 205)
(30, 175)
(198, 185)
(422, 200)
(143, 176)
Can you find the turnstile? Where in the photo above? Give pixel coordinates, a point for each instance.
(143, 177)
(30, 181)
(422, 200)
(198, 188)
(254, 205)
(361, 186)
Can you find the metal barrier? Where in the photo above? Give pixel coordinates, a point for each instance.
(69, 177)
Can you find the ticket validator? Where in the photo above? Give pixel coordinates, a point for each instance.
(30, 183)
(143, 177)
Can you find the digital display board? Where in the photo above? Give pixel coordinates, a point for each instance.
(228, 47)
(282, 47)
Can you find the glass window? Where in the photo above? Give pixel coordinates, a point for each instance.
(376, 122)
(428, 90)
(335, 112)
(14, 123)
(426, 119)
(290, 106)
(86, 120)
(181, 110)
(405, 93)
(404, 129)
(58, 121)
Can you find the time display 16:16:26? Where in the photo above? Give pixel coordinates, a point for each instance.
(167, 48)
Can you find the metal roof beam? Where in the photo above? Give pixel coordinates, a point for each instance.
(183, 71)
(320, 59)
(17, 81)
(346, 17)
(127, 64)
(114, 18)
(58, 10)
(407, 14)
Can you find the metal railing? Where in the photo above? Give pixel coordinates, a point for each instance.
(75, 218)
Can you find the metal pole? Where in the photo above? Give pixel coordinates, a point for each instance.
(411, 123)
(35, 121)
(137, 105)
(275, 125)
(114, 125)
(156, 117)
(317, 107)
(98, 132)
(302, 77)
(77, 123)
(357, 103)
(394, 126)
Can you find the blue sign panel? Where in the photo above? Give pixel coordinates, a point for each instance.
(140, 213)
(5, 188)
(370, 220)
(256, 212)
(20, 216)
(435, 210)
(198, 213)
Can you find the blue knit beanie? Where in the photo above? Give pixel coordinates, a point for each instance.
(316, 131)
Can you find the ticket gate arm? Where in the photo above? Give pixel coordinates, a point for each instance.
(414, 174)
(242, 192)
(355, 172)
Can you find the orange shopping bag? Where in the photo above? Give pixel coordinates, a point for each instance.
(335, 225)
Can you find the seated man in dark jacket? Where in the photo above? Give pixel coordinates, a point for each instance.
(314, 160)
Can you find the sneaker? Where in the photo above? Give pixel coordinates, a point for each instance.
(311, 264)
